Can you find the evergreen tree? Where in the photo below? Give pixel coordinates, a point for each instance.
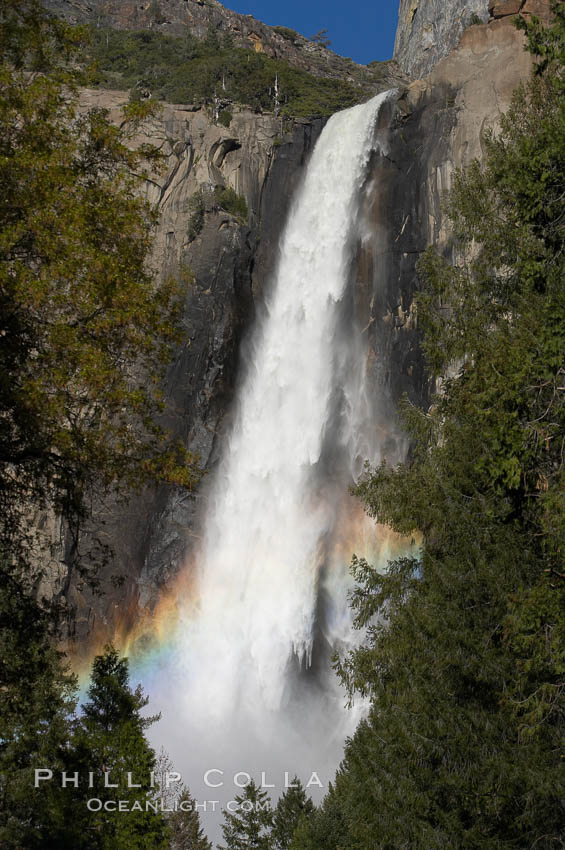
(85, 335)
(321, 37)
(212, 40)
(323, 827)
(465, 649)
(109, 739)
(185, 830)
(86, 328)
(249, 828)
(291, 806)
(37, 701)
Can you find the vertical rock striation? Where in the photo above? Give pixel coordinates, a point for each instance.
(259, 157)
(436, 126)
(430, 29)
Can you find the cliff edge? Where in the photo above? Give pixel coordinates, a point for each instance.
(429, 30)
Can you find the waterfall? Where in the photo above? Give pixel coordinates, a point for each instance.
(270, 575)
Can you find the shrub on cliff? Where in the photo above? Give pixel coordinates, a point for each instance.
(188, 70)
(228, 200)
(286, 32)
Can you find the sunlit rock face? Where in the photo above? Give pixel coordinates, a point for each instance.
(430, 29)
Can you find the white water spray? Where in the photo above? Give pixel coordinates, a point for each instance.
(276, 506)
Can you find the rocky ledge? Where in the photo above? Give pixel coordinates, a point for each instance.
(176, 17)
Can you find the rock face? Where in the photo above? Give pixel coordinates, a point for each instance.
(430, 29)
(436, 126)
(261, 159)
(503, 8)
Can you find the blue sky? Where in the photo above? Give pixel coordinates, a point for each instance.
(361, 29)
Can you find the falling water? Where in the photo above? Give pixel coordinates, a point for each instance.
(252, 689)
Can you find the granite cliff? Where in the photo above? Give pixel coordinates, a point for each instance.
(433, 126)
(430, 29)
(436, 126)
(230, 256)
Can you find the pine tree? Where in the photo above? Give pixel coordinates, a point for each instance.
(465, 645)
(37, 701)
(291, 806)
(212, 40)
(249, 828)
(185, 830)
(109, 739)
(324, 828)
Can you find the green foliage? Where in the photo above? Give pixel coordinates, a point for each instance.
(290, 808)
(211, 43)
(286, 32)
(86, 328)
(85, 335)
(188, 70)
(39, 729)
(184, 825)
(225, 117)
(325, 827)
(321, 37)
(227, 41)
(36, 711)
(547, 44)
(228, 200)
(249, 827)
(535, 633)
(197, 214)
(111, 733)
(464, 656)
(30, 37)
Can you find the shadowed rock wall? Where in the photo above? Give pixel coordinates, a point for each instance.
(435, 126)
(261, 158)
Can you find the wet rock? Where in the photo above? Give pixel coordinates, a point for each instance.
(436, 126)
